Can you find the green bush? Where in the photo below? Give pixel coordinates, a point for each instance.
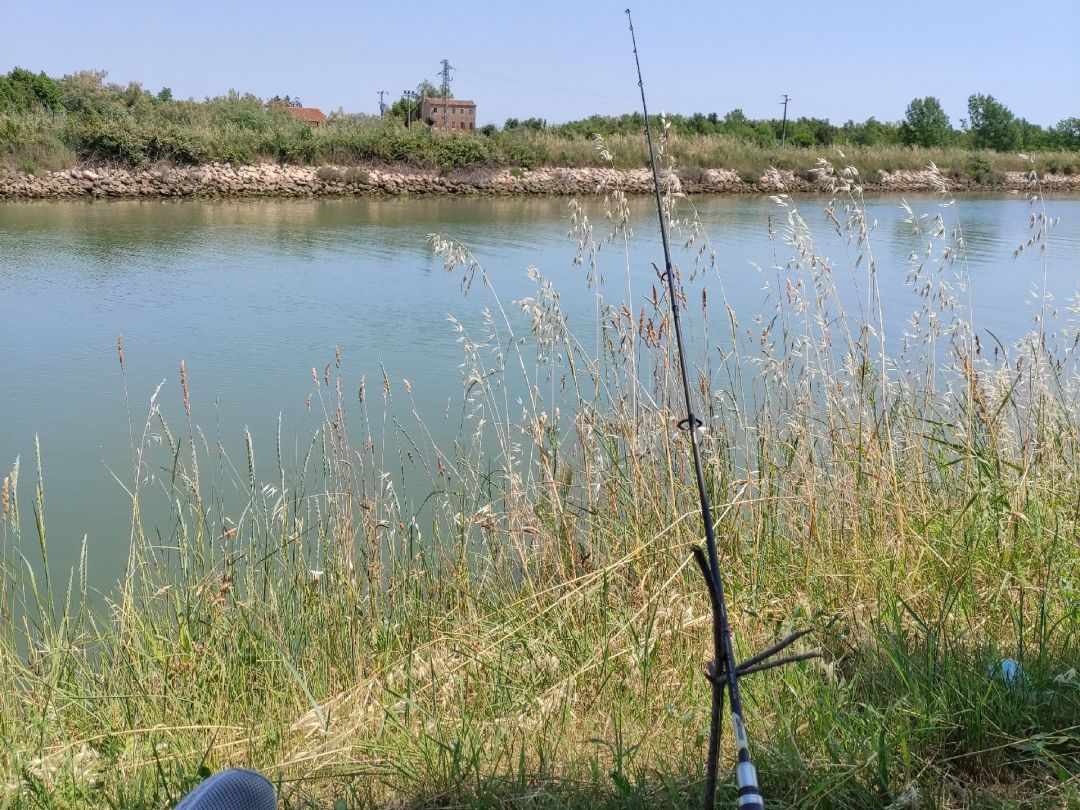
(692, 174)
(1061, 165)
(30, 167)
(356, 175)
(14, 133)
(111, 139)
(517, 150)
(176, 145)
(328, 174)
(22, 90)
(233, 146)
(459, 151)
(51, 121)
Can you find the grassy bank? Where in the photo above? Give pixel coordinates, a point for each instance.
(46, 142)
(532, 632)
(81, 119)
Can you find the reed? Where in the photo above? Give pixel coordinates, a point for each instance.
(532, 631)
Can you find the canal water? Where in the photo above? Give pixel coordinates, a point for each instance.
(257, 296)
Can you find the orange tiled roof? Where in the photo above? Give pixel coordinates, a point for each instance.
(309, 115)
(460, 102)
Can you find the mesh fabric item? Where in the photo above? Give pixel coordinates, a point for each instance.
(234, 789)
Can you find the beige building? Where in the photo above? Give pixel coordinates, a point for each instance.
(452, 115)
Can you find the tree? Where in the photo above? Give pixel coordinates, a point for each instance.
(1066, 134)
(699, 124)
(925, 123)
(23, 90)
(85, 91)
(407, 108)
(1033, 136)
(810, 132)
(992, 125)
(285, 101)
(738, 125)
(869, 133)
(427, 90)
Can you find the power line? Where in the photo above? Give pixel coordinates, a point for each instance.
(783, 132)
(446, 94)
(562, 93)
(409, 96)
(548, 91)
(571, 54)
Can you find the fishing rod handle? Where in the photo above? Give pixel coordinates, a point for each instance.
(745, 772)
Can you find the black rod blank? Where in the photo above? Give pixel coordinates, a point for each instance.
(723, 671)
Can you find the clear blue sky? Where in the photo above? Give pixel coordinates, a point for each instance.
(562, 60)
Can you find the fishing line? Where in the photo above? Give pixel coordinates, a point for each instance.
(534, 89)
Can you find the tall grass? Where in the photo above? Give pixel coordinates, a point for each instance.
(241, 131)
(740, 155)
(532, 632)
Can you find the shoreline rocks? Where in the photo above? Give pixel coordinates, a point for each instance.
(274, 180)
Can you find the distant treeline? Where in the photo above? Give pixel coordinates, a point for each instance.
(48, 123)
(988, 125)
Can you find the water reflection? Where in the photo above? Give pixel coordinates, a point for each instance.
(253, 294)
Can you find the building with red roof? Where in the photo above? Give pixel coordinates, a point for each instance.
(312, 116)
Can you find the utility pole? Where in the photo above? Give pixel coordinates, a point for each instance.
(783, 132)
(446, 94)
(382, 105)
(408, 106)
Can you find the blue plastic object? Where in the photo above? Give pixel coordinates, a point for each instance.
(233, 789)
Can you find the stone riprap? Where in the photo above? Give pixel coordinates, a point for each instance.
(273, 180)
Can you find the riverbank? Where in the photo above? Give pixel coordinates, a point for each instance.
(275, 180)
(376, 614)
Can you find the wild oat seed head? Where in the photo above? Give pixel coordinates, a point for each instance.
(120, 348)
(184, 388)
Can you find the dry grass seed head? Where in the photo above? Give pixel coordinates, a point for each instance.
(184, 388)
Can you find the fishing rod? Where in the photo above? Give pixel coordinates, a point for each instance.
(723, 672)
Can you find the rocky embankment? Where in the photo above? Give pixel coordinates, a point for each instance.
(272, 180)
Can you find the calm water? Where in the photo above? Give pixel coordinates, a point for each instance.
(253, 294)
